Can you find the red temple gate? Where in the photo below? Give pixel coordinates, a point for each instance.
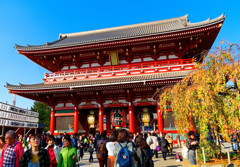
(112, 68)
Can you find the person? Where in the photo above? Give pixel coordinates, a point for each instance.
(143, 151)
(164, 146)
(178, 140)
(154, 143)
(91, 149)
(2, 142)
(131, 139)
(170, 142)
(74, 140)
(192, 145)
(148, 138)
(122, 141)
(170, 135)
(53, 151)
(85, 141)
(102, 154)
(35, 157)
(12, 151)
(68, 154)
(80, 146)
(97, 138)
(20, 139)
(110, 148)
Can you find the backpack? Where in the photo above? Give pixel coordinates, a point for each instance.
(102, 152)
(124, 157)
(147, 162)
(85, 140)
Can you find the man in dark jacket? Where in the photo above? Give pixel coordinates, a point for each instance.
(164, 146)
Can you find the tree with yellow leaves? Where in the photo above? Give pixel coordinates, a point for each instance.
(208, 97)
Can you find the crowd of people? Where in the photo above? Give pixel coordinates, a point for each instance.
(119, 149)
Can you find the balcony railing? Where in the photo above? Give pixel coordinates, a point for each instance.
(121, 70)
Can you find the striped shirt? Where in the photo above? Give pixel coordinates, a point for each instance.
(9, 159)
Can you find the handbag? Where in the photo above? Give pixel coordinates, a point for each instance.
(185, 152)
(158, 148)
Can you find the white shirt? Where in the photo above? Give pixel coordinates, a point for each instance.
(110, 147)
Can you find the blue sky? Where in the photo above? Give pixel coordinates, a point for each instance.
(36, 22)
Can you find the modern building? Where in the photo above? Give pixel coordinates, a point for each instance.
(116, 73)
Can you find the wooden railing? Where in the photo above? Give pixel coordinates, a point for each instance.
(121, 70)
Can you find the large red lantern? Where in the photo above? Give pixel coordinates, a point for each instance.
(118, 117)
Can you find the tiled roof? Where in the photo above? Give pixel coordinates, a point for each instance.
(122, 32)
(101, 82)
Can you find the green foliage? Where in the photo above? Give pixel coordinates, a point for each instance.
(233, 155)
(206, 157)
(210, 149)
(205, 98)
(44, 113)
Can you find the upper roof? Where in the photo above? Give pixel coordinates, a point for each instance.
(123, 32)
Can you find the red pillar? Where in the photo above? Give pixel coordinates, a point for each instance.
(100, 119)
(75, 126)
(108, 123)
(159, 120)
(52, 123)
(191, 123)
(136, 122)
(130, 117)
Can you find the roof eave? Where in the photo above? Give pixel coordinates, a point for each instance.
(49, 47)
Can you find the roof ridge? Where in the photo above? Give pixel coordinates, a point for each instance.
(185, 17)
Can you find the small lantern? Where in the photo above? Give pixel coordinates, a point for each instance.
(146, 117)
(91, 119)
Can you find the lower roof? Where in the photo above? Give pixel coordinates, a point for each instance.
(100, 82)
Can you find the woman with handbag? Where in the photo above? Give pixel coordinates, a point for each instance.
(164, 146)
(154, 144)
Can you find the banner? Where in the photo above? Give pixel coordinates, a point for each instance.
(113, 58)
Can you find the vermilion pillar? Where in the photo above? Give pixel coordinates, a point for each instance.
(136, 123)
(52, 123)
(100, 118)
(75, 127)
(108, 123)
(130, 117)
(159, 120)
(191, 123)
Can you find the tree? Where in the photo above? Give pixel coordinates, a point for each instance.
(44, 113)
(209, 97)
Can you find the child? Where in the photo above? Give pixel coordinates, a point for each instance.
(91, 148)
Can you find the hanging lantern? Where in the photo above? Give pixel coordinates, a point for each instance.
(146, 117)
(91, 119)
(118, 117)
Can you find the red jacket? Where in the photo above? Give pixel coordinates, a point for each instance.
(18, 149)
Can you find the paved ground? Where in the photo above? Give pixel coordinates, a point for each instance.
(158, 162)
